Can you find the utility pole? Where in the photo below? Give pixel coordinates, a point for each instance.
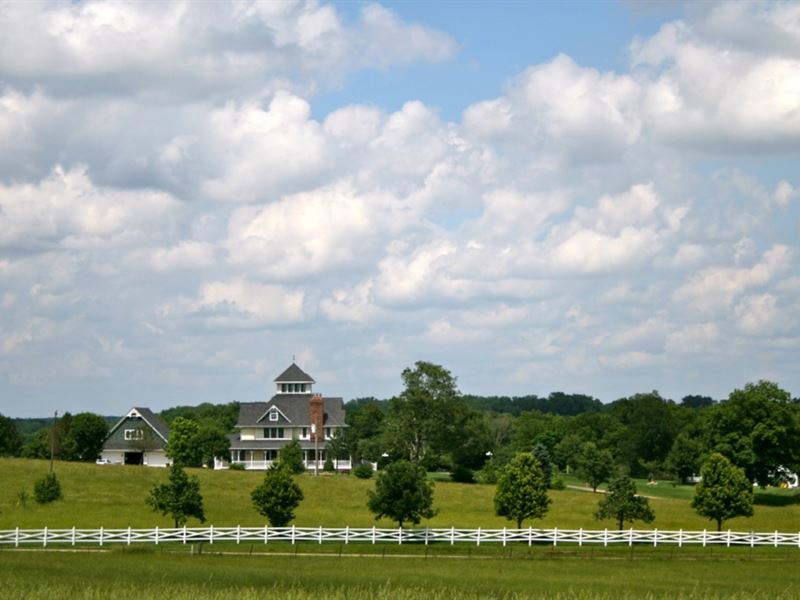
(53, 440)
(316, 448)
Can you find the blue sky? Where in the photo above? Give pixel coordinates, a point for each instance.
(591, 197)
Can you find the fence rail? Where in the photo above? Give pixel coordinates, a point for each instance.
(373, 535)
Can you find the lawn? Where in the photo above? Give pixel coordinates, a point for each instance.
(113, 496)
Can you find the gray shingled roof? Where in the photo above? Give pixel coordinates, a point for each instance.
(296, 409)
(155, 422)
(294, 374)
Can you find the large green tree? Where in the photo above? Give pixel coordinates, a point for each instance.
(402, 493)
(84, 440)
(277, 496)
(521, 491)
(425, 422)
(622, 504)
(291, 457)
(10, 440)
(685, 457)
(183, 448)
(595, 465)
(724, 492)
(758, 429)
(179, 498)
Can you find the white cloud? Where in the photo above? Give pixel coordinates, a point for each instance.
(68, 209)
(240, 303)
(757, 314)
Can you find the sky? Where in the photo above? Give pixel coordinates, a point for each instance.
(588, 197)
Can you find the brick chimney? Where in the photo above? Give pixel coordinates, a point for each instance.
(317, 413)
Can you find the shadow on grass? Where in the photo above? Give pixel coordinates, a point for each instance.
(772, 499)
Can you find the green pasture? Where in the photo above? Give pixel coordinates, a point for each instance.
(113, 496)
(151, 573)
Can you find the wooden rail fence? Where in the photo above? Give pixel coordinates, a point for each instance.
(373, 535)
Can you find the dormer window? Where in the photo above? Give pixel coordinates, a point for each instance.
(273, 415)
(295, 388)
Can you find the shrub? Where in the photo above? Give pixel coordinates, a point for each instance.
(461, 474)
(328, 468)
(236, 467)
(47, 489)
(363, 471)
(558, 483)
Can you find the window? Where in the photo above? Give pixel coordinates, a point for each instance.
(134, 434)
(273, 415)
(273, 433)
(304, 435)
(327, 433)
(283, 388)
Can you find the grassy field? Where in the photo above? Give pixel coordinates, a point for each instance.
(113, 496)
(147, 573)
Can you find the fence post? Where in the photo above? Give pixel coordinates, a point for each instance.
(728, 544)
(266, 534)
(293, 534)
(73, 535)
(184, 534)
(210, 534)
(426, 535)
(399, 535)
(705, 536)
(16, 538)
(752, 539)
(238, 533)
(320, 534)
(655, 538)
(347, 535)
(776, 538)
(101, 536)
(479, 536)
(555, 536)
(129, 535)
(373, 535)
(605, 537)
(680, 538)
(156, 535)
(504, 537)
(453, 536)
(580, 537)
(530, 536)
(630, 537)
(45, 538)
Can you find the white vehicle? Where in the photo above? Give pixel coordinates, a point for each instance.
(102, 461)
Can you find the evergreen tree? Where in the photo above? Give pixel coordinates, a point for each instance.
(291, 457)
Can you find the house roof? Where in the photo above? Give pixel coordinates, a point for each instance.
(294, 374)
(155, 422)
(296, 409)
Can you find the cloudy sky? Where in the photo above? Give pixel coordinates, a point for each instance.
(600, 198)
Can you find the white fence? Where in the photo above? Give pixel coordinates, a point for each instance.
(373, 535)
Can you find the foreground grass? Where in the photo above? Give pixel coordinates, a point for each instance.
(145, 573)
(113, 496)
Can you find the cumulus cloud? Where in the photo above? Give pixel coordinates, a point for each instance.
(188, 49)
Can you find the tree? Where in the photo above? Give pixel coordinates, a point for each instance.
(277, 496)
(291, 457)
(724, 491)
(402, 493)
(758, 429)
(595, 465)
(684, 458)
(211, 442)
(179, 498)
(521, 490)
(425, 421)
(47, 489)
(182, 447)
(85, 437)
(542, 454)
(623, 504)
(10, 440)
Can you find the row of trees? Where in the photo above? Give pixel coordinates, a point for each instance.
(430, 424)
(404, 494)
